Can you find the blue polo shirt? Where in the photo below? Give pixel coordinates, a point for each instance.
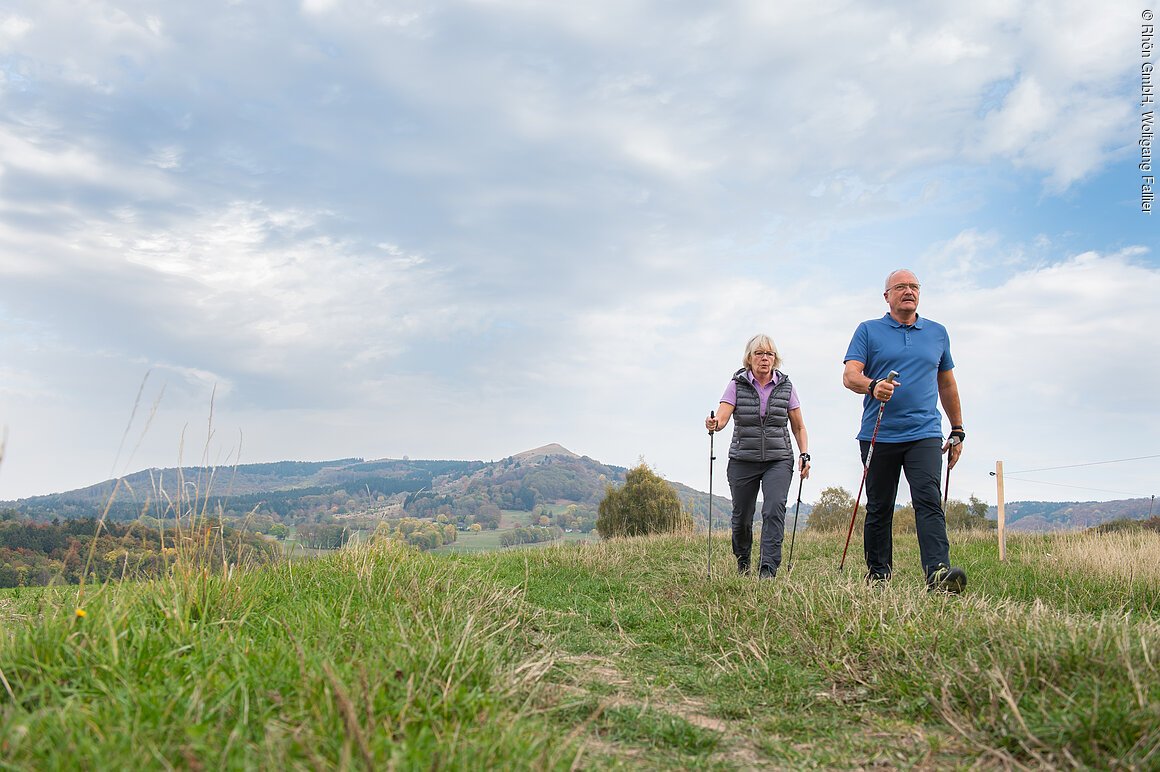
(919, 352)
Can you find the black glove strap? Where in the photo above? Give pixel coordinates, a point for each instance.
(873, 385)
(958, 434)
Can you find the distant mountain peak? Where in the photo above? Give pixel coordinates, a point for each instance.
(553, 449)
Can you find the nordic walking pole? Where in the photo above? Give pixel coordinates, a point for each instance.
(947, 490)
(709, 561)
(797, 507)
(865, 469)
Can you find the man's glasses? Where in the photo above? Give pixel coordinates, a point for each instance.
(900, 287)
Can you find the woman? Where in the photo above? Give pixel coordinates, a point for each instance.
(763, 403)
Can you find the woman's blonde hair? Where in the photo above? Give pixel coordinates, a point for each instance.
(764, 343)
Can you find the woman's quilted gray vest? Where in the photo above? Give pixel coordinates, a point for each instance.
(756, 438)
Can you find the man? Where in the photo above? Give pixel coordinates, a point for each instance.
(910, 435)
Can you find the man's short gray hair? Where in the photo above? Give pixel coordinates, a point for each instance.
(890, 276)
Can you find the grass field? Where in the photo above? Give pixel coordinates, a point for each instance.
(291, 547)
(469, 541)
(619, 654)
(488, 541)
(465, 541)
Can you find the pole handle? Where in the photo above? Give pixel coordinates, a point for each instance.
(712, 456)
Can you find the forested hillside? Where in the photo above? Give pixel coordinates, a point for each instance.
(291, 493)
(37, 554)
(1043, 516)
(287, 489)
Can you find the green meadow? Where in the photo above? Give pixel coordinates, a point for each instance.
(600, 655)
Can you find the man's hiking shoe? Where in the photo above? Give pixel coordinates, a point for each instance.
(742, 567)
(947, 579)
(765, 572)
(877, 579)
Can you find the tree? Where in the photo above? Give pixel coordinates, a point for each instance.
(969, 516)
(959, 516)
(645, 504)
(525, 499)
(832, 511)
(904, 521)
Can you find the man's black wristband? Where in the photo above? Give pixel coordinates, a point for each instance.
(873, 384)
(957, 433)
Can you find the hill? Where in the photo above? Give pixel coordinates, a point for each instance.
(544, 480)
(550, 480)
(246, 479)
(1047, 516)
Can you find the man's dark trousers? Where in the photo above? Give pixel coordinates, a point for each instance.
(921, 460)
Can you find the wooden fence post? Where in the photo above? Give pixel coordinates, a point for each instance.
(1002, 514)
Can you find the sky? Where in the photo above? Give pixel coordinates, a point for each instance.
(236, 231)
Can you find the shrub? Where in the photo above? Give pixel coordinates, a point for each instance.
(832, 512)
(969, 516)
(645, 504)
(1127, 524)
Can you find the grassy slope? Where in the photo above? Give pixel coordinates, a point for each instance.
(608, 654)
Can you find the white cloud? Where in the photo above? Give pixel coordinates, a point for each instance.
(13, 27)
(271, 286)
(318, 6)
(62, 163)
(1069, 135)
(167, 157)
(1024, 119)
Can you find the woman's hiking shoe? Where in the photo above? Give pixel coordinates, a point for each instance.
(742, 567)
(949, 579)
